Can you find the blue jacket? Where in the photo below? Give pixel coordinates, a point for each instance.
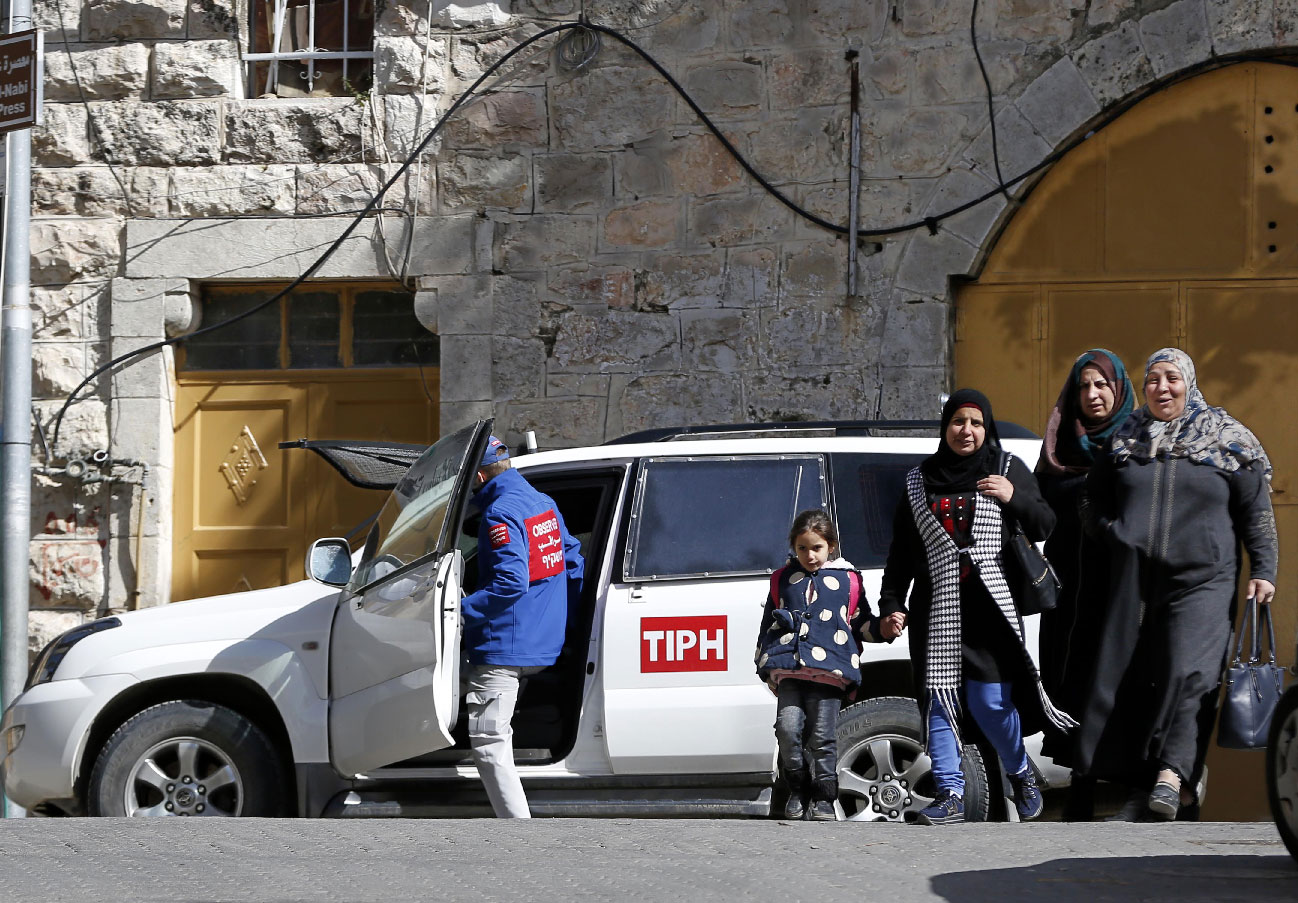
(529, 568)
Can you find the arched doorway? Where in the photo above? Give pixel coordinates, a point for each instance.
(1177, 224)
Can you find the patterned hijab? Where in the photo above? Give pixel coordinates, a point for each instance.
(1203, 434)
(1072, 442)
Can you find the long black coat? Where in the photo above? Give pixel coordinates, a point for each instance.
(907, 571)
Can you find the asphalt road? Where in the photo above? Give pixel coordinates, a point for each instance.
(144, 860)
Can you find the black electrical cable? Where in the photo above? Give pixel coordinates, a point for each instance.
(991, 109)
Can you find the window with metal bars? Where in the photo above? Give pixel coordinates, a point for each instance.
(310, 48)
(321, 326)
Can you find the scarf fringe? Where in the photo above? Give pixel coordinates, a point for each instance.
(1058, 717)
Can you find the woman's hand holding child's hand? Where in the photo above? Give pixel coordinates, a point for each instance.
(890, 626)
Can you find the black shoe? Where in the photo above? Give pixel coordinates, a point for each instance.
(823, 810)
(796, 807)
(947, 809)
(1164, 801)
(1134, 809)
(1080, 805)
(1027, 798)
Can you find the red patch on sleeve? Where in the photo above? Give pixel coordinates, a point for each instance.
(499, 534)
(544, 546)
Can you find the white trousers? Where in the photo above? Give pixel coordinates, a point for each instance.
(491, 692)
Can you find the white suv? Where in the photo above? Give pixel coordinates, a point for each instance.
(308, 700)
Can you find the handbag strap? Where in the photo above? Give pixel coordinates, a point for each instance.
(1247, 627)
(1265, 615)
(1004, 467)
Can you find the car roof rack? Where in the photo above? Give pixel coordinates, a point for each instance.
(369, 465)
(1006, 429)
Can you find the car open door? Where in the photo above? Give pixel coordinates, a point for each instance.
(394, 650)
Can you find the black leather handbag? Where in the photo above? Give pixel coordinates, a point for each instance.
(1253, 687)
(1033, 582)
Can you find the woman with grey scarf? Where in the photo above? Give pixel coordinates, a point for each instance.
(1181, 486)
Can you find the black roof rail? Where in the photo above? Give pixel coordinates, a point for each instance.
(1006, 429)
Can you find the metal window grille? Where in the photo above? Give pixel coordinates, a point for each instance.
(339, 33)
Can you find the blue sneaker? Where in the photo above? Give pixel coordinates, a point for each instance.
(1027, 798)
(947, 809)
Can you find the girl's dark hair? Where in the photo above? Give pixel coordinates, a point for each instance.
(817, 521)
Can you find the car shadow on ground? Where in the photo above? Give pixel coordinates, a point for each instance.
(1220, 879)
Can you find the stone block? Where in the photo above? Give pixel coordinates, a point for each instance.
(479, 182)
(807, 334)
(143, 377)
(66, 249)
(516, 308)
(179, 313)
(572, 182)
(616, 341)
(407, 120)
(847, 22)
(466, 368)
(58, 19)
(915, 334)
(751, 278)
(678, 281)
(149, 189)
(1176, 37)
(912, 393)
(164, 133)
(1106, 12)
(471, 15)
(407, 64)
(883, 203)
(110, 20)
(196, 69)
(45, 625)
(917, 143)
(1239, 25)
(400, 17)
(1114, 65)
(57, 367)
(675, 399)
(471, 54)
(213, 19)
(343, 186)
(580, 283)
(889, 70)
(233, 190)
(1018, 146)
(722, 340)
(948, 73)
(683, 164)
(725, 89)
(499, 121)
(460, 305)
(777, 397)
(78, 192)
(594, 385)
(83, 431)
(811, 147)
(1058, 102)
(107, 72)
(924, 18)
(816, 270)
(131, 585)
(648, 224)
(455, 415)
(67, 573)
(279, 131)
(140, 306)
(930, 261)
(590, 110)
(533, 242)
(672, 28)
(746, 220)
(275, 248)
(1043, 24)
(557, 422)
(64, 312)
(759, 23)
(142, 428)
(63, 138)
(517, 368)
(62, 508)
(960, 186)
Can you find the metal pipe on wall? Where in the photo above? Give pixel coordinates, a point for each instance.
(15, 444)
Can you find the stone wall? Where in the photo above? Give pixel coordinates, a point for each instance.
(592, 258)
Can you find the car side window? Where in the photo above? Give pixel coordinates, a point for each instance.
(718, 516)
(867, 489)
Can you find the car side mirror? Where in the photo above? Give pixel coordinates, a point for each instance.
(329, 561)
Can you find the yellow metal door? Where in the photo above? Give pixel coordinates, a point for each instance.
(245, 510)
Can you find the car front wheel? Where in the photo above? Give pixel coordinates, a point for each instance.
(883, 771)
(1282, 769)
(187, 758)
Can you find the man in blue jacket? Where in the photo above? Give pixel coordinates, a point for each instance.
(529, 568)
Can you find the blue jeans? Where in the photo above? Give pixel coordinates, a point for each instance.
(805, 723)
(994, 711)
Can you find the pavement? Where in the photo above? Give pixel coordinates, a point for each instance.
(680, 861)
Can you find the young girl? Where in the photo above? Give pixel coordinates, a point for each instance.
(808, 652)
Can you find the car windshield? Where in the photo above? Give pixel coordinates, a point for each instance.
(413, 520)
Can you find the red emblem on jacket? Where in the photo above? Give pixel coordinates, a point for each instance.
(544, 546)
(499, 534)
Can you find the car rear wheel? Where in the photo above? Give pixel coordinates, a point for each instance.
(1282, 769)
(187, 758)
(883, 771)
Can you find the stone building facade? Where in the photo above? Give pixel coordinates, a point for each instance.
(590, 258)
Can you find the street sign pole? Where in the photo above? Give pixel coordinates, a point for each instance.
(19, 83)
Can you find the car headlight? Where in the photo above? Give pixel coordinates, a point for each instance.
(53, 654)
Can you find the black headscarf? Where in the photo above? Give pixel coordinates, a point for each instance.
(948, 471)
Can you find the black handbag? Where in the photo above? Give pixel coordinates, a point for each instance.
(1032, 580)
(1253, 687)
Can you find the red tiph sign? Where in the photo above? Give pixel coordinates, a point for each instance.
(499, 534)
(544, 546)
(683, 644)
